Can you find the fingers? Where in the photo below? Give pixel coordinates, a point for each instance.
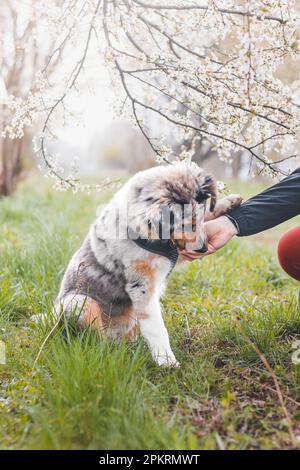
(190, 255)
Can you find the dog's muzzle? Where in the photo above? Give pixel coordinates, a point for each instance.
(203, 249)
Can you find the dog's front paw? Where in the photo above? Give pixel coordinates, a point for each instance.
(40, 319)
(234, 200)
(227, 204)
(167, 361)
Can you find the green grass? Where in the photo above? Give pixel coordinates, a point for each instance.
(88, 394)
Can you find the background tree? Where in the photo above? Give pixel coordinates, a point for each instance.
(24, 54)
(210, 72)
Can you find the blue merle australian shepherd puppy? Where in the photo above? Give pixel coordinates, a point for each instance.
(114, 281)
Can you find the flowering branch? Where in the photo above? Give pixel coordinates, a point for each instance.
(205, 8)
(230, 91)
(216, 70)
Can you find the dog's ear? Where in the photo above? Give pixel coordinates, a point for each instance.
(208, 188)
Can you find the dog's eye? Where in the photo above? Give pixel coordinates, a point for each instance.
(180, 202)
(201, 197)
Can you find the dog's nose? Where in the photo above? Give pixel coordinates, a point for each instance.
(203, 249)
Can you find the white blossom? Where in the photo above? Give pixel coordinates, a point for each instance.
(215, 69)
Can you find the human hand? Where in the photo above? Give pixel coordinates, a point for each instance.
(218, 232)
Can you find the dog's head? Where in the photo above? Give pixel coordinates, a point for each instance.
(169, 202)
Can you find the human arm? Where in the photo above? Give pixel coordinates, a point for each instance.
(273, 206)
(263, 211)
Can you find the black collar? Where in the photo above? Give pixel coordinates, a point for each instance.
(164, 248)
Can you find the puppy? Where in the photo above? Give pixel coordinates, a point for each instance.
(114, 282)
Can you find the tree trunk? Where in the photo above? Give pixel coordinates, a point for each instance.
(10, 164)
(236, 164)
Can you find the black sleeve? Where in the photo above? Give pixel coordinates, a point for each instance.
(269, 208)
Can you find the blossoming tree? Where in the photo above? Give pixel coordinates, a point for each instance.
(23, 55)
(217, 70)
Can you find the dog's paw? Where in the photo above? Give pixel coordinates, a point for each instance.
(234, 200)
(167, 361)
(226, 204)
(43, 320)
(40, 318)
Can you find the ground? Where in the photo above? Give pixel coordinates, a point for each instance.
(232, 321)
